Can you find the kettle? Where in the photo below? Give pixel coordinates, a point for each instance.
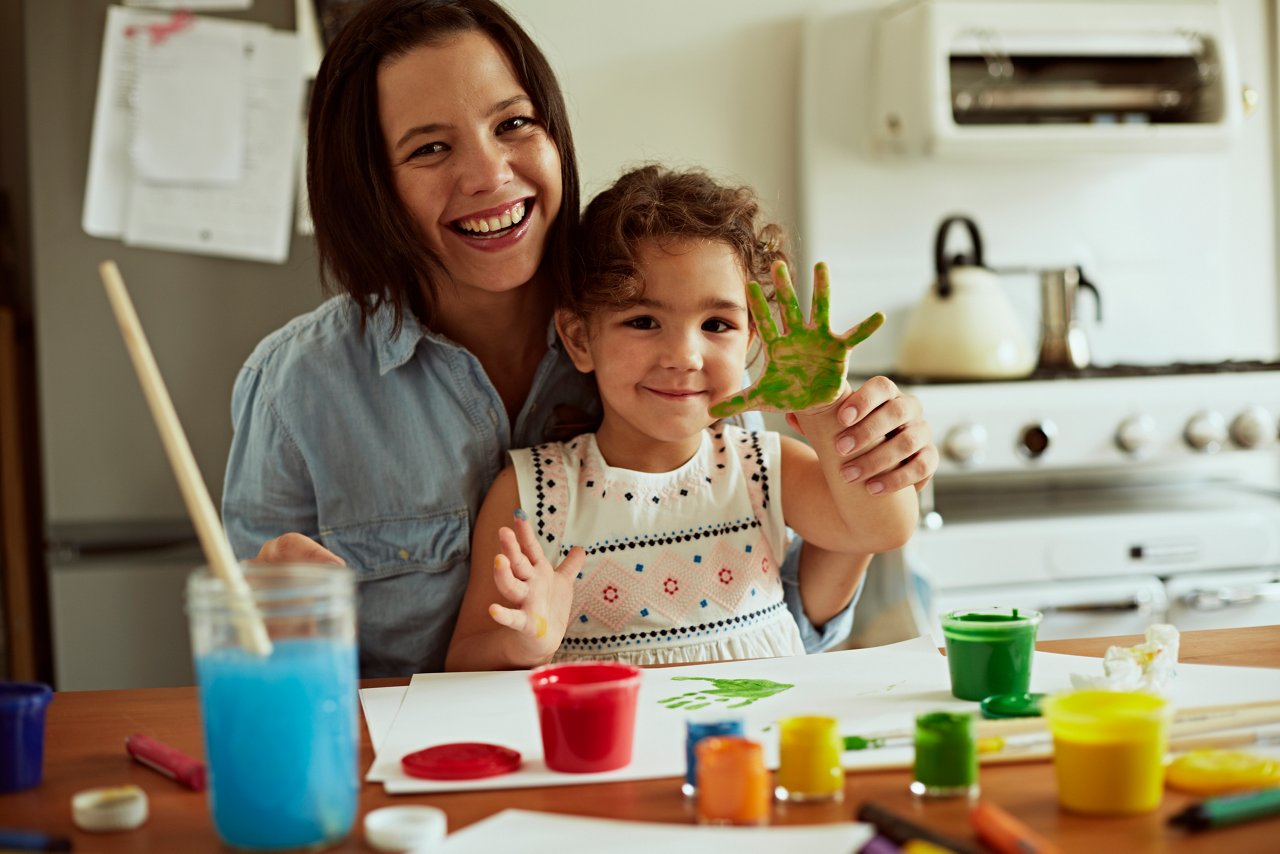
(965, 327)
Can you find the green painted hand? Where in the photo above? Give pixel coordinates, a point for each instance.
(724, 690)
(805, 365)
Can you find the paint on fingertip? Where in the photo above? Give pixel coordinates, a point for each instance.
(540, 627)
(521, 515)
(497, 561)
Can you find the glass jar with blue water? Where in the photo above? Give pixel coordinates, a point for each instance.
(280, 724)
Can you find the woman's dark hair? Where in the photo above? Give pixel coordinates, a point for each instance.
(656, 205)
(369, 246)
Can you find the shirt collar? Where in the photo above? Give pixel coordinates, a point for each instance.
(395, 349)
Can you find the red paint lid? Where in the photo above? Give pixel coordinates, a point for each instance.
(464, 760)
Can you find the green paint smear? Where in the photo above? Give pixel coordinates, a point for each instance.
(723, 691)
(805, 366)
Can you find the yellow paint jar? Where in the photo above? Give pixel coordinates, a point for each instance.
(809, 752)
(1108, 750)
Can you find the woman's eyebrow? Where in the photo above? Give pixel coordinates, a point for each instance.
(433, 127)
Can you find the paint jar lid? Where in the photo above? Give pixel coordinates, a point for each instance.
(463, 760)
(404, 828)
(1022, 705)
(109, 808)
(1216, 772)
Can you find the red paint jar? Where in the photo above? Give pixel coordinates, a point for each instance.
(587, 712)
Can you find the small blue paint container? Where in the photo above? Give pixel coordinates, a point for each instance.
(696, 730)
(22, 706)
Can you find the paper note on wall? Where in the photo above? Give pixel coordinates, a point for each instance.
(249, 218)
(189, 107)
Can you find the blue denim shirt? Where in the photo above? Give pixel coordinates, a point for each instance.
(382, 448)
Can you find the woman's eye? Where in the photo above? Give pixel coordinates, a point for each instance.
(515, 123)
(643, 322)
(429, 149)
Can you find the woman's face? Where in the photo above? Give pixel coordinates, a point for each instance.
(471, 160)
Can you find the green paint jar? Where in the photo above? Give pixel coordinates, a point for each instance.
(989, 650)
(946, 764)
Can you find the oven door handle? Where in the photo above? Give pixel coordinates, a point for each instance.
(1217, 598)
(1142, 601)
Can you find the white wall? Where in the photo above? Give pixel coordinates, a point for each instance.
(1181, 246)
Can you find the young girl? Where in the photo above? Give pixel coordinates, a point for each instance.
(657, 538)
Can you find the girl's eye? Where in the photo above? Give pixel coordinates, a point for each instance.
(715, 324)
(427, 150)
(642, 322)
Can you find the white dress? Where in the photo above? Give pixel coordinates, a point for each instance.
(682, 566)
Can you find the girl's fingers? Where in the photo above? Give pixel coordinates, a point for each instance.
(509, 617)
(572, 562)
(862, 331)
(760, 313)
(526, 538)
(820, 310)
(513, 589)
(521, 566)
(785, 294)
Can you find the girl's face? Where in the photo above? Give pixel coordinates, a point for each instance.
(471, 161)
(661, 363)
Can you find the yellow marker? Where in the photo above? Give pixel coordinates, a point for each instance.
(540, 626)
(919, 846)
(995, 744)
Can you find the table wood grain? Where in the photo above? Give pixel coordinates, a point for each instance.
(86, 732)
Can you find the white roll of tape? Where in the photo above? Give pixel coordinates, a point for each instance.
(404, 828)
(111, 808)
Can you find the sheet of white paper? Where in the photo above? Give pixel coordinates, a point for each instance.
(547, 833)
(380, 707)
(252, 219)
(106, 197)
(189, 106)
(868, 688)
(1195, 685)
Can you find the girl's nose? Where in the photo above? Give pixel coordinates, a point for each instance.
(485, 167)
(683, 351)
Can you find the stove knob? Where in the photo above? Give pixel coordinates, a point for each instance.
(964, 443)
(1253, 428)
(1036, 438)
(1135, 433)
(1206, 431)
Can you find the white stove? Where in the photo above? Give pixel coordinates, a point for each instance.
(1107, 498)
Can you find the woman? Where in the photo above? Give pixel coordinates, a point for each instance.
(444, 192)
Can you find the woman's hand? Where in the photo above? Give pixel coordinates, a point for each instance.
(295, 548)
(540, 597)
(886, 441)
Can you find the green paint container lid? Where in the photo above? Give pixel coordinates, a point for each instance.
(1025, 705)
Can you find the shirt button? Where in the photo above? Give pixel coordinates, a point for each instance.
(493, 416)
(404, 554)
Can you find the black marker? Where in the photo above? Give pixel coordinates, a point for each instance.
(899, 830)
(1232, 809)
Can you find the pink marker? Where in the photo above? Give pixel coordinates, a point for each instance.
(172, 763)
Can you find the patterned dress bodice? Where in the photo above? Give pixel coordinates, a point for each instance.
(682, 566)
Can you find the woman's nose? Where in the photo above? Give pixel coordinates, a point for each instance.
(485, 167)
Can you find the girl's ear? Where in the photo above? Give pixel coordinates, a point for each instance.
(573, 331)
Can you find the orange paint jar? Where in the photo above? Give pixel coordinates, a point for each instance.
(1108, 750)
(733, 785)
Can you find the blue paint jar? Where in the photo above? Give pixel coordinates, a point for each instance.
(696, 730)
(22, 707)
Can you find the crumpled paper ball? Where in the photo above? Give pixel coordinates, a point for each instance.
(1149, 666)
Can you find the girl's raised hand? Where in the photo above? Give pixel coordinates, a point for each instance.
(804, 364)
(539, 597)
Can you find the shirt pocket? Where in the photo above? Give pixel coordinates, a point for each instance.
(433, 544)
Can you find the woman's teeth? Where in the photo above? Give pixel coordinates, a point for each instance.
(484, 225)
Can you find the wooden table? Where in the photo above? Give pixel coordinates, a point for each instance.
(85, 749)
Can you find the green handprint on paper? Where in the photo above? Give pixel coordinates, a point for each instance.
(805, 365)
(724, 690)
